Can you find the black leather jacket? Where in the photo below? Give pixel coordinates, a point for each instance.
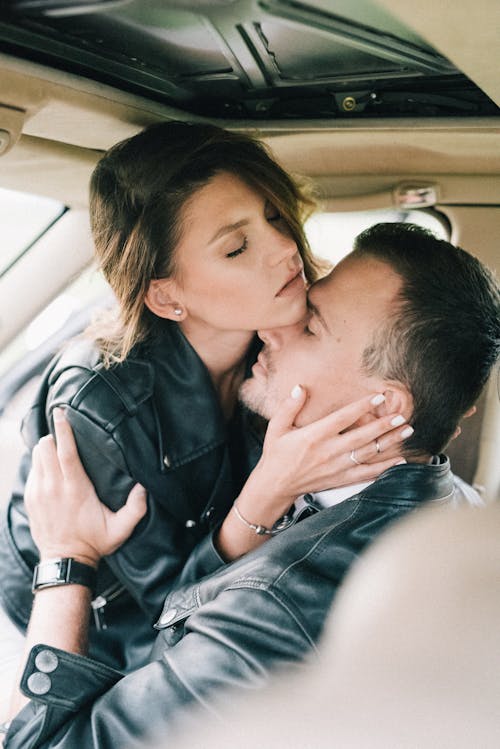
(227, 631)
(155, 420)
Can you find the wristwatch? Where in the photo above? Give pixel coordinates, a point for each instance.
(63, 571)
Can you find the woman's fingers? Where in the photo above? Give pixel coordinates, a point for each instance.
(389, 445)
(344, 417)
(284, 418)
(377, 440)
(368, 440)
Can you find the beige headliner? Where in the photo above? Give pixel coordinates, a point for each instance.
(66, 121)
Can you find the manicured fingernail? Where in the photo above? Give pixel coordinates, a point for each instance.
(400, 462)
(397, 420)
(377, 399)
(296, 392)
(58, 414)
(407, 432)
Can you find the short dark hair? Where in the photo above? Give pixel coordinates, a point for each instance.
(444, 336)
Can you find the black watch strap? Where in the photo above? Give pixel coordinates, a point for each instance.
(63, 571)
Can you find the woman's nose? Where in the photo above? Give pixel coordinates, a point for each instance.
(284, 247)
(276, 338)
(271, 337)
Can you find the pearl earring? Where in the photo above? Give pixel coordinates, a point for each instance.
(177, 311)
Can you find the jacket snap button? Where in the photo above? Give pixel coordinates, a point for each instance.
(168, 616)
(46, 661)
(39, 683)
(190, 523)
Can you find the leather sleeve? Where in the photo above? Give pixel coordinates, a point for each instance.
(204, 560)
(116, 441)
(149, 561)
(227, 643)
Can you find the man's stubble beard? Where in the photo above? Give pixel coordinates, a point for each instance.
(254, 397)
(256, 394)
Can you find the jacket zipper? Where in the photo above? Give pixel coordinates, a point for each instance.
(100, 601)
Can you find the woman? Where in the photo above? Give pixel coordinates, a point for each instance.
(199, 233)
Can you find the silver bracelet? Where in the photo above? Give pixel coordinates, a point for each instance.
(280, 525)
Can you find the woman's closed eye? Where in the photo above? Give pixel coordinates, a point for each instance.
(237, 252)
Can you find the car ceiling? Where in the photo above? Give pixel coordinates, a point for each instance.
(61, 104)
(249, 59)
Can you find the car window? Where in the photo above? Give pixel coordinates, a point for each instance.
(23, 219)
(331, 235)
(76, 304)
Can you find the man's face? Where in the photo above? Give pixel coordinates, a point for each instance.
(324, 352)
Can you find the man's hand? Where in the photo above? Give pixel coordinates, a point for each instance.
(66, 516)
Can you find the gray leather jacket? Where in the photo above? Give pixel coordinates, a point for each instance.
(228, 631)
(155, 419)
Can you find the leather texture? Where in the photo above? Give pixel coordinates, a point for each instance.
(227, 631)
(155, 419)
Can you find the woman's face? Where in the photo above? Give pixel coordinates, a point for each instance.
(237, 265)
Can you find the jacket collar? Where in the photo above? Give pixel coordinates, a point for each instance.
(413, 482)
(401, 486)
(190, 419)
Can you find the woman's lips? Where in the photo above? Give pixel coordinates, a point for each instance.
(293, 286)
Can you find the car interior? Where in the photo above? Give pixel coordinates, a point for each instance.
(381, 105)
(390, 109)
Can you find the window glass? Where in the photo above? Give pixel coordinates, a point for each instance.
(23, 218)
(88, 292)
(331, 235)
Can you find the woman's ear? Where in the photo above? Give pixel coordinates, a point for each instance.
(161, 300)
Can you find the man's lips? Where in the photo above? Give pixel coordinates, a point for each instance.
(295, 283)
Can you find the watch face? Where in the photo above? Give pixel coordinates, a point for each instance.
(65, 571)
(51, 572)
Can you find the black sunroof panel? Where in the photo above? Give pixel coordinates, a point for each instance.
(244, 58)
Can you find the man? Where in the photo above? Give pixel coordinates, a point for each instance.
(404, 315)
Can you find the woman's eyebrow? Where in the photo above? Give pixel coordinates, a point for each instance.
(227, 229)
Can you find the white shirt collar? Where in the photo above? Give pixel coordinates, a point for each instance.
(330, 497)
